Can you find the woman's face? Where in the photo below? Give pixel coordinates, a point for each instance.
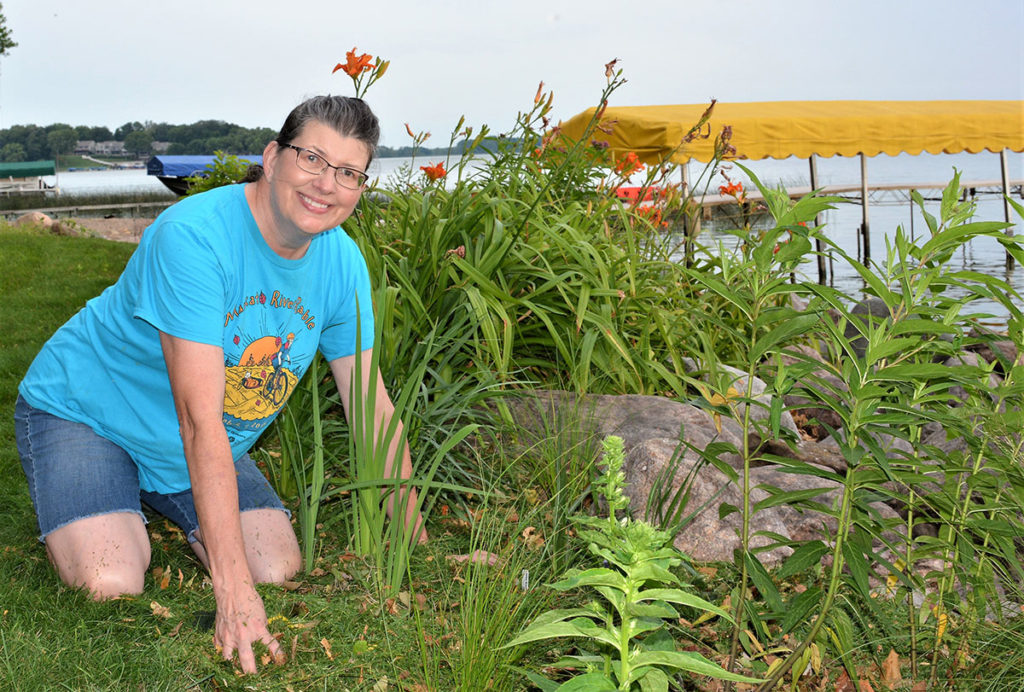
(304, 204)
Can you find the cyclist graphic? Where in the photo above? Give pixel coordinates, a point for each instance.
(277, 384)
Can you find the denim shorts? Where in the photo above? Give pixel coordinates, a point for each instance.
(73, 473)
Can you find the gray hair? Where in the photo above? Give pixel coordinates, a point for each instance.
(348, 116)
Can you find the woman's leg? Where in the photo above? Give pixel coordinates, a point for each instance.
(271, 548)
(107, 554)
(85, 490)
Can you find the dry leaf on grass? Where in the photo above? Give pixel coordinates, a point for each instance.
(891, 669)
(159, 611)
(477, 557)
(327, 648)
(532, 538)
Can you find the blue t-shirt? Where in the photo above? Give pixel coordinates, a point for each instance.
(202, 272)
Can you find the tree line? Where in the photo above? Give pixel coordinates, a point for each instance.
(35, 142)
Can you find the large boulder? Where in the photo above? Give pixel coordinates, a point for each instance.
(663, 442)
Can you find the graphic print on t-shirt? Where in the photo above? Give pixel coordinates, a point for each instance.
(268, 343)
(259, 383)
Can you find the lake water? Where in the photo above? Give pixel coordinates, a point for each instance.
(983, 255)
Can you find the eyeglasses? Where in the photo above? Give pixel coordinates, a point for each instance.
(312, 162)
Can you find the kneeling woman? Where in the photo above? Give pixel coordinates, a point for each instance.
(155, 391)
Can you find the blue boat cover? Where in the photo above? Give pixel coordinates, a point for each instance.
(185, 166)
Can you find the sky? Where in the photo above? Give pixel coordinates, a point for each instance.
(248, 62)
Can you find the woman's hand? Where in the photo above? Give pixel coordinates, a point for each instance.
(241, 622)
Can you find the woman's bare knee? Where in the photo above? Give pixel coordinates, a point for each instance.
(107, 555)
(271, 547)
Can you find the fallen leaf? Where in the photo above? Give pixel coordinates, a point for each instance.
(477, 557)
(891, 669)
(289, 585)
(865, 686)
(532, 539)
(177, 628)
(392, 605)
(159, 610)
(708, 572)
(327, 648)
(421, 601)
(381, 685)
(165, 580)
(844, 684)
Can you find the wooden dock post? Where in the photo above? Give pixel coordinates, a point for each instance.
(822, 276)
(1006, 204)
(864, 232)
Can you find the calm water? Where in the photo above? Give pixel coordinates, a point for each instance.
(984, 255)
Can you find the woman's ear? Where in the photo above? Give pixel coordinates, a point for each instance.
(271, 154)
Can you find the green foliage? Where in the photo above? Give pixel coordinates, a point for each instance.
(61, 141)
(225, 169)
(544, 279)
(6, 40)
(639, 591)
(885, 380)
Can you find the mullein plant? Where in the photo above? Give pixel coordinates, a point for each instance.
(623, 640)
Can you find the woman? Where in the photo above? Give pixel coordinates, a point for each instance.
(156, 390)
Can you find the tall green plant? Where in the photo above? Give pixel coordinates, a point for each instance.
(891, 388)
(756, 285)
(632, 648)
(377, 489)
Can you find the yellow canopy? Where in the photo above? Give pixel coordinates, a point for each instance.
(779, 129)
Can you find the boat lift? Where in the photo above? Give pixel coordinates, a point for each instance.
(808, 129)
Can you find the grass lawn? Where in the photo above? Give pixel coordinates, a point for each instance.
(329, 621)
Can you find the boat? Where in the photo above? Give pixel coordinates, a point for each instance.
(26, 177)
(174, 171)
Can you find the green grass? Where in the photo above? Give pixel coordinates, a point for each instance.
(54, 637)
(440, 632)
(43, 281)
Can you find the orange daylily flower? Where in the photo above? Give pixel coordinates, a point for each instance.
(353, 65)
(733, 189)
(435, 172)
(629, 165)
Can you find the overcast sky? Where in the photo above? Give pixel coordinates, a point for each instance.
(107, 62)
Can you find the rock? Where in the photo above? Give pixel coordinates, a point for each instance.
(663, 439)
(1002, 352)
(34, 218)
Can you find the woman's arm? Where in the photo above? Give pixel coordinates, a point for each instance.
(344, 374)
(196, 373)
